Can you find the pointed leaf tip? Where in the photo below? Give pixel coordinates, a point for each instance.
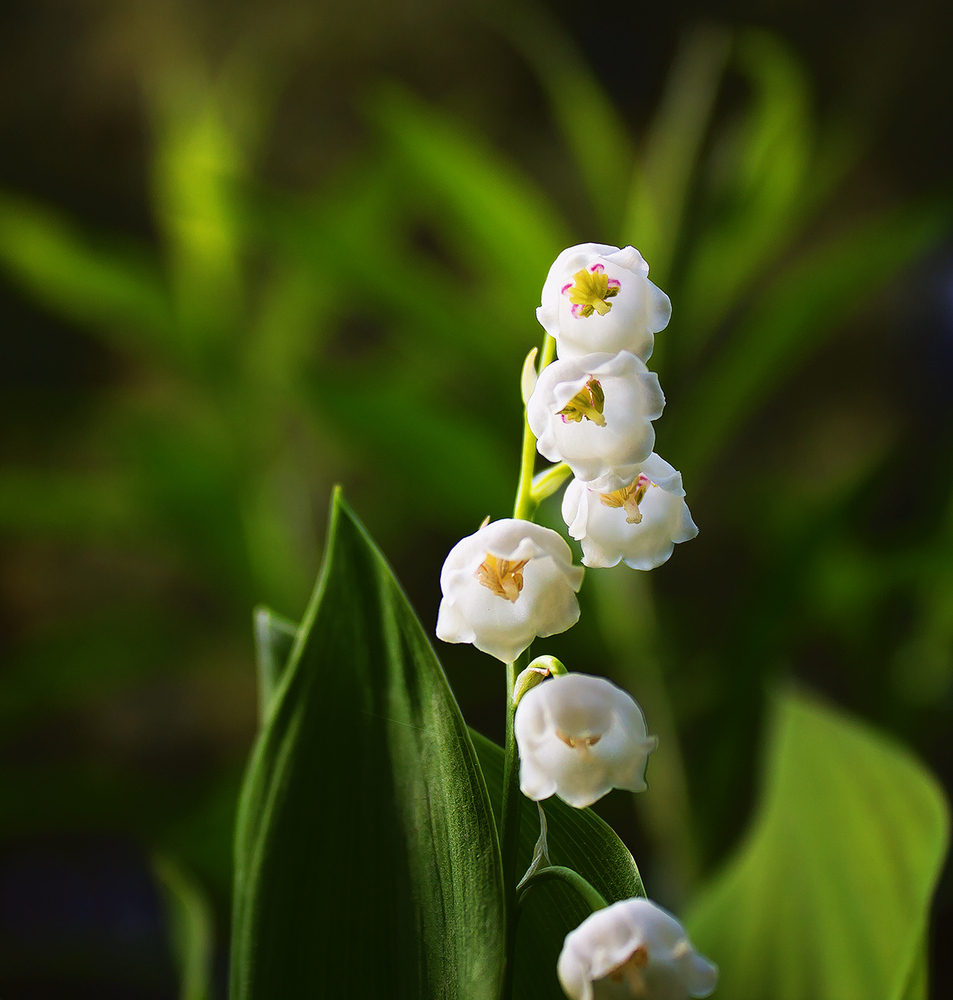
(365, 822)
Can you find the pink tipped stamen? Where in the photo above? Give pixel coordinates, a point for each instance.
(615, 283)
(597, 268)
(576, 310)
(565, 288)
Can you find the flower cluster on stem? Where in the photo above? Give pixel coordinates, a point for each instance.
(591, 412)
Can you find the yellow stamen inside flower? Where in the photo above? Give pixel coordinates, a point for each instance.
(578, 743)
(629, 498)
(630, 971)
(503, 577)
(590, 289)
(588, 403)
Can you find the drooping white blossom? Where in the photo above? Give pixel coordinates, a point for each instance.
(579, 737)
(633, 950)
(598, 298)
(637, 518)
(595, 413)
(506, 584)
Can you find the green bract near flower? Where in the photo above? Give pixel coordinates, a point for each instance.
(579, 737)
(506, 584)
(595, 413)
(636, 518)
(598, 298)
(633, 950)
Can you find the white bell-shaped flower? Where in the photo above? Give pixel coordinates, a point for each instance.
(579, 737)
(595, 413)
(506, 584)
(633, 950)
(637, 518)
(598, 298)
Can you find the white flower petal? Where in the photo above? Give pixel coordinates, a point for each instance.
(580, 736)
(632, 311)
(600, 443)
(607, 533)
(635, 942)
(541, 595)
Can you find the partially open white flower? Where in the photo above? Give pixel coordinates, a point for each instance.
(506, 584)
(637, 518)
(598, 298)
(633, 949)
(580, 736)
(595, 413)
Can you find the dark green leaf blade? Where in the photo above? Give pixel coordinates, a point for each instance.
(274, 640)
(367, 862)
(578, 839)
(830, 895)
(191, 926)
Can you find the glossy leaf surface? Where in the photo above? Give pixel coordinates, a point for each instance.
(366, 858)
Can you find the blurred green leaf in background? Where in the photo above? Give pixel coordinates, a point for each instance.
(328, 273)
(828, 895)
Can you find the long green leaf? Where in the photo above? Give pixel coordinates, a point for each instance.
(578, 839)
(830, 895)
(198, 169)
(661, 183)
(367, 862)
(764, 200)
(111, 288)
(509, 227)
(794, 317)
(274, 640)
(591, 125)
(190, 920)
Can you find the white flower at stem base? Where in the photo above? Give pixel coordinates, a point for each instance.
(598, 298)
(633, 949)
(505, 585)
(595, 413)
(637, 518)
(579, 737)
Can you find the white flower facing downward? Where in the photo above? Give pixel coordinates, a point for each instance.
(580, 736)
(595, 413)
(637, 518)
(598, 298)
(506, 584)
(633, 949)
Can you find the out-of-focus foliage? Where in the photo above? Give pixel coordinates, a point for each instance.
(191, 925)
(830, 893)
(371, 330)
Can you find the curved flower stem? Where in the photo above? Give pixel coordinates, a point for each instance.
(526, 504)
(512, 800)
(524, 509)
(590, 895)
(510, 821)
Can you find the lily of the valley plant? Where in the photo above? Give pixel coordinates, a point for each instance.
(590, 412)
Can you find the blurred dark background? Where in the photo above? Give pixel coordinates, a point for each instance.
(249, 250)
